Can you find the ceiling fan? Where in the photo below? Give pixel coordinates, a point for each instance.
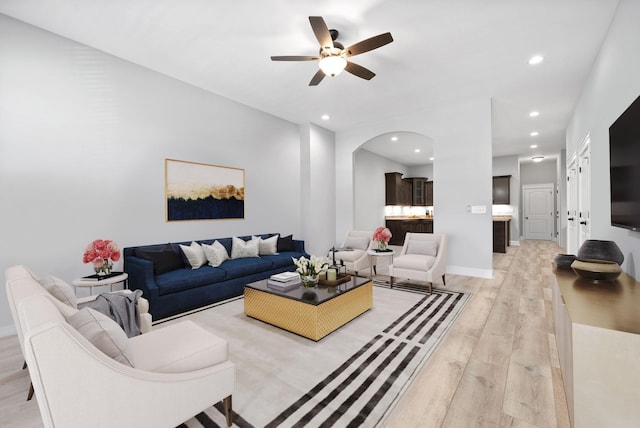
(333, 55)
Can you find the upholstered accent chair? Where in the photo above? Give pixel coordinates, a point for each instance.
(87, 372)
(423, 258)
(31, 285)
(353, 251)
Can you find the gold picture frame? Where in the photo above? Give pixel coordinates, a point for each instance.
(200, 191)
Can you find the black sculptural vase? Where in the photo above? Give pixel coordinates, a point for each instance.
(595, 249)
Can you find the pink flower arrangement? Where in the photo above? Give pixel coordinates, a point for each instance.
(101, 252)
(382, 234)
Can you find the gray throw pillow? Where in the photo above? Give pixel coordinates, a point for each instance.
(60, 290)
(104, 333)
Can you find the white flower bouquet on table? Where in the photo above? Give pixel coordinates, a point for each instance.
(310, 269)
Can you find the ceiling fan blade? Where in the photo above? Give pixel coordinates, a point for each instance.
(321, 31)
(317, 78)
(360, 71)
(294, 58)
(369, 44)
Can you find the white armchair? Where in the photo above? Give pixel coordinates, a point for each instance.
(31, 285)
(355, 258)
(423, 257)
(160, 379)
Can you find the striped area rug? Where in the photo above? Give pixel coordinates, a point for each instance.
(362, 390)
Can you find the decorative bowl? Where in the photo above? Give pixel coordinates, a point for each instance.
(596, 249)
(596, 270)
(563, 261)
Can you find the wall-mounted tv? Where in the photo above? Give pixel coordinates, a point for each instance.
(624, 168)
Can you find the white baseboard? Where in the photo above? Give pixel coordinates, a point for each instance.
(467, 271)
(7, 330)
(514, 243)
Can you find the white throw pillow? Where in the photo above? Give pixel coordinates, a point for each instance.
(267, 246)
(357, 242)
(426, 248)
(241, 249)
(195, 255)
(216, 253)
(60, 290)
(104, 333)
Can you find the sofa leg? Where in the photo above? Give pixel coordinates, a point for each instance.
(228, 412)
(30, 394)
(24, 366)
(390, 282)
(443, 281)
(431, 288)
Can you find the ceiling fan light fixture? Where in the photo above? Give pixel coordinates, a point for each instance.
(332, 65)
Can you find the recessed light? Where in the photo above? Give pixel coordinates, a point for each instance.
(431, 158)
(326, 117)
(534, 146)
(394, 138)
(534, 114)
(537, 158)
(534, 134)
(536, 59)
(417, 150)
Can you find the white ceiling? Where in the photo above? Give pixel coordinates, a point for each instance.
(443, 52)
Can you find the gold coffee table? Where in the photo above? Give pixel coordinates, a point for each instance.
(309, 312)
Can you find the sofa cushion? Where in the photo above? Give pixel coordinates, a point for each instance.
(268, 246)
(414, 262)
(281, 260)
(184, 279)
(241, 249)
(104, 333)
(285, 243)
(164, 260)
(60, 290)
(195, 255)
(236, 268)
(192, 348)
(427, 248)
(216, 253)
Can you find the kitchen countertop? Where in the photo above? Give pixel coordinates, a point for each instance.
(406, 217)
(501, 218)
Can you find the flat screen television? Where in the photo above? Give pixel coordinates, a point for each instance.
(624, 168)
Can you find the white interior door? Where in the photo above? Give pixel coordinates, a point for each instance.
(538, 211)
(584, 201)
(572, 208)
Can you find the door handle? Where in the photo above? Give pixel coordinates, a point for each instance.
(570, 219)
(583, 222)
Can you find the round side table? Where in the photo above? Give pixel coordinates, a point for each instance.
(373, 253)
(83, 282)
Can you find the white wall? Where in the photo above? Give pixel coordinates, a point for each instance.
(462, 172)
(614, 82)
(83, 138)
(369, 189)
(318, 184)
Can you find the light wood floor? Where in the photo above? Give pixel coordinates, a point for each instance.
(497, 367)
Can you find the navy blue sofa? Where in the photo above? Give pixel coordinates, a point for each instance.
(172, 288)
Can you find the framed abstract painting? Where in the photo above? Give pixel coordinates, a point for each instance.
(199, 191)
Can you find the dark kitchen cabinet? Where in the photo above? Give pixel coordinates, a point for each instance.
(419, 185)
(398, 191)
(428, 192)
(400, 227)
(501, 194)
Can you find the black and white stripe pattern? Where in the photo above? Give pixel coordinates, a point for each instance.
(364, 389)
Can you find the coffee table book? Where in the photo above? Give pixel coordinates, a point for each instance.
(283, 286)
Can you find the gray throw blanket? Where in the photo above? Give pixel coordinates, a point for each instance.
(121, 308)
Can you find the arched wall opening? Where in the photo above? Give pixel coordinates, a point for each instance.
(409, 153)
